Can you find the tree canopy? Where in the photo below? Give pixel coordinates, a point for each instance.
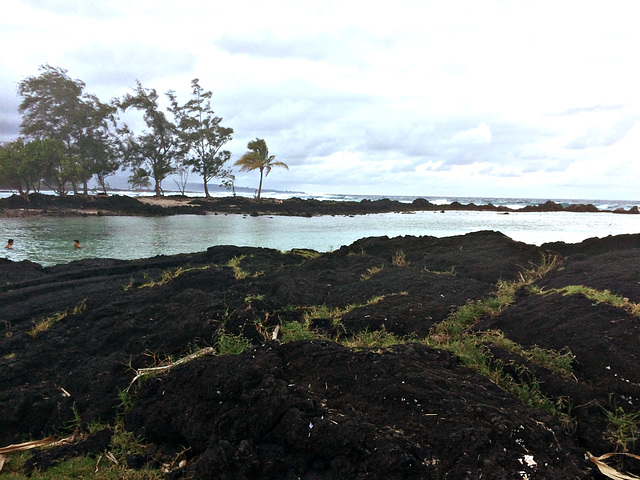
(151, 153)
(55, 106)
(202, 136)
(69, 136)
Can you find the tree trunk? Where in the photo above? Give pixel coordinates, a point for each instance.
(103, 183)
(206, 190)
(260, 186)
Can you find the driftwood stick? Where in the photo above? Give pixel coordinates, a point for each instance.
(141, 372)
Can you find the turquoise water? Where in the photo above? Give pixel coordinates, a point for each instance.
(49, 241)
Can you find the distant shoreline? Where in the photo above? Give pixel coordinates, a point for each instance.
(100, 204)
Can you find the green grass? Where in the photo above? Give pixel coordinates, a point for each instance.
(253, 297)
(558, 362)
(234, 263)
(336, 313)
(230, 344)
(238, 272)
(623, 428)
(454, 334)
(379, 339)
(101, 467)
(597, 296)
(293, 331)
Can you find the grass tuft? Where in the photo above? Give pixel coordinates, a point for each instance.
(399, 259)
(371, 271)
(230, 344)
(623, 428)
(45, 323)
(377, 339)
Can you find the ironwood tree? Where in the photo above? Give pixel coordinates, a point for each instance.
(153, 153)
(201, 135)
(55, 106)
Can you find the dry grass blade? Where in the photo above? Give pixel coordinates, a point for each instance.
(2, 459)
(274, 335)
(20, 447)
(610, 472)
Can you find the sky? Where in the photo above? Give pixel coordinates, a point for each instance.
(493, 98)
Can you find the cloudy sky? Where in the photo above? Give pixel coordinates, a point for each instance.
(509, 98)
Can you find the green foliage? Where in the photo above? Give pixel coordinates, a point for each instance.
(19, 169)
(377, 339)
(26, 166)
(454, 334)
(126, 401)
(55, 107)
(201, 135)
(154, 151)
(336, 313)
(139, 178)
(110, 465)
(324, 311)
(258, 158)
(597, 296)
(253, 297)
(165, 277)
(458, 323)
(93, 143)
(623, 428)
(238, 272)
(230, 344)
(293, 331)
(558, 362)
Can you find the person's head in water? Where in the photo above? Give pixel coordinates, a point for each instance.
(76, 244)
(9, 243)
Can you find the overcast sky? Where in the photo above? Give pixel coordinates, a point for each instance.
(536, 99)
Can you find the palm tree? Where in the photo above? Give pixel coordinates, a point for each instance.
(258, 158)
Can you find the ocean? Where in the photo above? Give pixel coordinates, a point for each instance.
(49, 241)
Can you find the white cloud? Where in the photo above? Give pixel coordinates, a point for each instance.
(463, 97)
(479, 134)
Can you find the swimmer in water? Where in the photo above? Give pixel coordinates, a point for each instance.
(9, 243)
(76, 244)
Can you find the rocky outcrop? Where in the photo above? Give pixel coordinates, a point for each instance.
(318, 408)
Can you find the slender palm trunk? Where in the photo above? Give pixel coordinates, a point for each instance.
(260, 186)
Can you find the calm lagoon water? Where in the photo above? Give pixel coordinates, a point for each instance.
(48, 241)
